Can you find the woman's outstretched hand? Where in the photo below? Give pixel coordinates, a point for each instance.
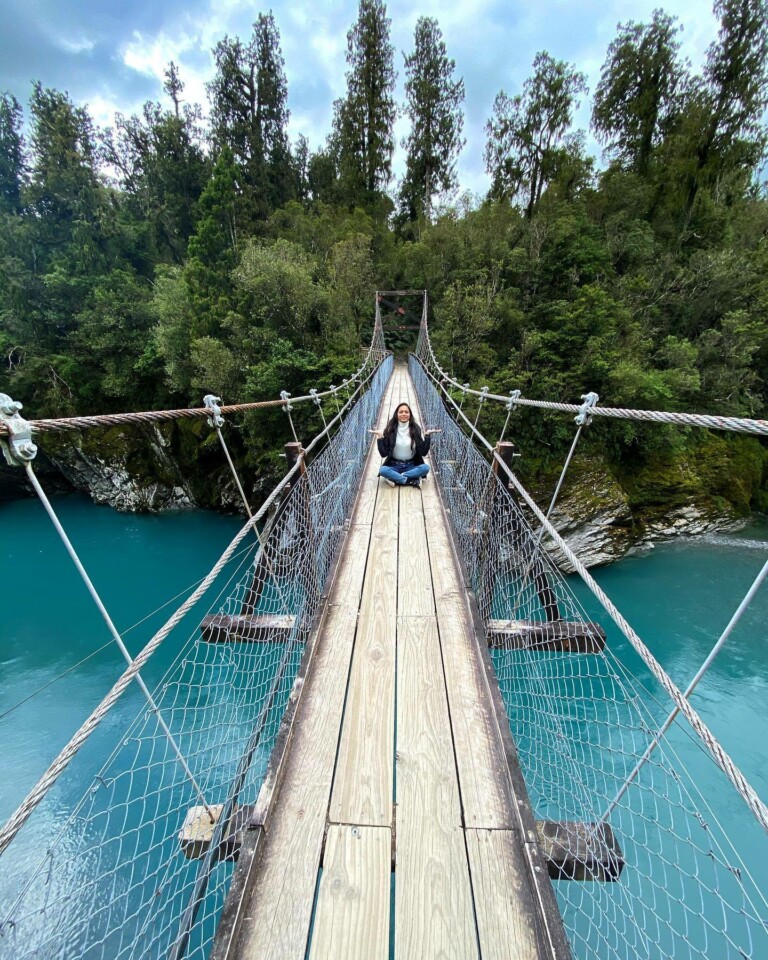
(377, 433)
(433, 430)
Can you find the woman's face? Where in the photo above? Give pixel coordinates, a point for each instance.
(403, 413)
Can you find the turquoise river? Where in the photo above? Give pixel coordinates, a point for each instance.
(56, 660)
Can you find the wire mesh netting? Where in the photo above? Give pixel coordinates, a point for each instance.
(119, 880)
(666, 877)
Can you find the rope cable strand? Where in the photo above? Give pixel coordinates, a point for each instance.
(721, 758)
(226, 698)
(580, 723)
(713, 422)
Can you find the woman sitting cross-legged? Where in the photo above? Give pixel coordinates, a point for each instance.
(404, 446)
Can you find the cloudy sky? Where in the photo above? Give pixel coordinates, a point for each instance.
(111, 54)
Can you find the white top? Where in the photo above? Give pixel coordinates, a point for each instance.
(403, 449)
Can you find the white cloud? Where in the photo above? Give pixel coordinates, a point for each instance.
(75, 45)
(492, 41)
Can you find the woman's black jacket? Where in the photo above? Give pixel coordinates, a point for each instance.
(387, 444)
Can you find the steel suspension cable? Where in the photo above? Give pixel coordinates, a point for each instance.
(69, 751)
(116, 637)
(713, 422)
(721, 758)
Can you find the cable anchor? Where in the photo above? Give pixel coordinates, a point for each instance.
(318, 401)
(17, 446)
(584, 417)
(514, 396)
(483, 397)
(286, 398)
(211, 403)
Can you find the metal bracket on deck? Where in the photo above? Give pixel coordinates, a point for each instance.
(17, 446)
(211, 403)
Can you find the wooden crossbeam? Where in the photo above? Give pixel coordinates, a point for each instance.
(565, 636)
(197, 831)
(260, 628)
(580, 851)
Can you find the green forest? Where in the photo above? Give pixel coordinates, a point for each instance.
(195, 248)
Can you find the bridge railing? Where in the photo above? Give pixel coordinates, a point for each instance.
(675, 873)
(139, 865)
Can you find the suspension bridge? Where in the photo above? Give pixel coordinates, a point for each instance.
(389, 730)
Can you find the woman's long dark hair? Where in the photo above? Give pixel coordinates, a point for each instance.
(413, 428)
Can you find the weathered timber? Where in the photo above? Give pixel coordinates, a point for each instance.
(292, 452)
(580, 851)
(262, 628)
(565, 636)
(197, 831)
(551, 931)
(506, 452)
(399, 293)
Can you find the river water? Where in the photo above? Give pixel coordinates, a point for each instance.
(57, 662)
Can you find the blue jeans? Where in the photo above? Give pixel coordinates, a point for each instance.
(401, 471)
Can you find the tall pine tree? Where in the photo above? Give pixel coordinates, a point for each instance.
(12, 170)
(637, 98)
(364, 121)
(163, 168)
(249, 115)
(723, 129)
(526, 132)
(434, 107)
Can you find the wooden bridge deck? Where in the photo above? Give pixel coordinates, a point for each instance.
(398, 829)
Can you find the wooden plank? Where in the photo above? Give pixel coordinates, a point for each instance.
(366, 500)
(278, 904)
(348, 587)
(434, 916)
(580, 851)
(486, 793)
(363, 782)
(261, 628)
(369, 486)
(279, 907)
(400, 293)
(563, 636)
(352, 916)
(505, 907)
(414, 581)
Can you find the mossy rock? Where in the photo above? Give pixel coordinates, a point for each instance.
(719, 472)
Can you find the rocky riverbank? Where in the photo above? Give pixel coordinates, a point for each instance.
(603, 513)
(141, 469)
